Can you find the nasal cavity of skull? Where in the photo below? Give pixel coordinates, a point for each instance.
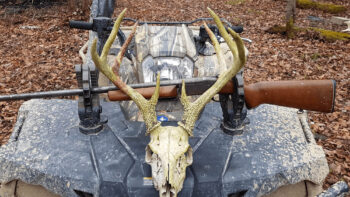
(168, 191)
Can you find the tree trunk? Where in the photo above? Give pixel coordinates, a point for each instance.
(290, 17)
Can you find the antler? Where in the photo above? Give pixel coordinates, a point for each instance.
(192, 110)
(147, 107)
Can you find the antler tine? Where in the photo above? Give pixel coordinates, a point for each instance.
(240, 46)
(122, 51)
(224, 34)
(147, 108)
(101, 62)
(192, 110)
(216, 45)
(113, 35)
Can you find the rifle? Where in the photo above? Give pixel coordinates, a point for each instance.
(314, 95)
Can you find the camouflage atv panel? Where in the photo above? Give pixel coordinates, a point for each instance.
(164, 41)
(169, 50)
(207, 65)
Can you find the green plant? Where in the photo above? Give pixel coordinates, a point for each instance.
(327, 35)
(326, 7)
(235, 2)
(331, 35)
(315, 56)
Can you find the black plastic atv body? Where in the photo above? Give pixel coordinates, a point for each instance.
(46, 148)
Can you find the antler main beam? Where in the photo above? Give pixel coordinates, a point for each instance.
(192, 110)
(147, 107)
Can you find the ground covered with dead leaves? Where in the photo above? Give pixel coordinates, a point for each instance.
(38, 53)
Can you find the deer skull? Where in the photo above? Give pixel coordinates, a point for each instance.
(169, 152)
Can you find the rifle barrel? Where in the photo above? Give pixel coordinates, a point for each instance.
(47, 94)
(99, 90)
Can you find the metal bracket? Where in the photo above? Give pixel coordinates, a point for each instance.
(233, 108)
(89, 108)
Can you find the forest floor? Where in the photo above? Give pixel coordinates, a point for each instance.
(39, 50)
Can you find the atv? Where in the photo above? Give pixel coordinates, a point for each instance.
(250, 140)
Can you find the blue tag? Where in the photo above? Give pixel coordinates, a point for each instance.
(162, 118)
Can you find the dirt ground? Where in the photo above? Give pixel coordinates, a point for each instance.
(38, 53)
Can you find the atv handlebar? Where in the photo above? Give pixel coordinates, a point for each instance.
(314, 95)
(237, 29)
(81, 25)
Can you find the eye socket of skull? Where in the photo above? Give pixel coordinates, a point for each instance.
(189, 156)
(148, 156)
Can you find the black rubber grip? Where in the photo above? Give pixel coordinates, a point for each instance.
(237, 29)
(81, 25)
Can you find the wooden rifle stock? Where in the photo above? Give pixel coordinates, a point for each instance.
(315, 95)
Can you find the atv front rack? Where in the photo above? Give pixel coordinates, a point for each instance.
(92, 26)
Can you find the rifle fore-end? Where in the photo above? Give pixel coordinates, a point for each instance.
(314, 95)
(164, 92)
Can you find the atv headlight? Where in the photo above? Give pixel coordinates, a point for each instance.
(170, 68)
